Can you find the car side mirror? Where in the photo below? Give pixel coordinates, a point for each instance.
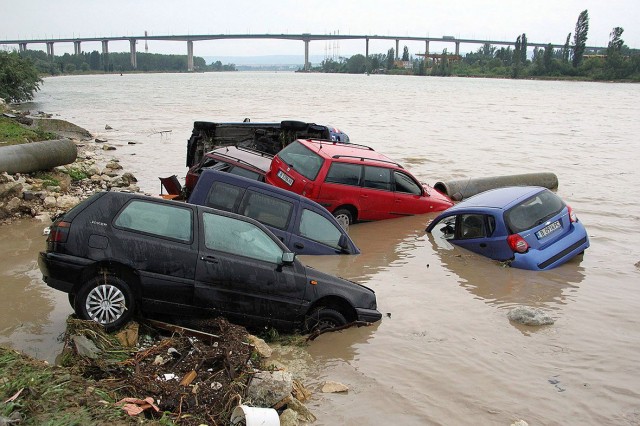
(288, 258)
(343, 244)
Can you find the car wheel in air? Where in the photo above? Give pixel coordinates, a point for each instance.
(344, 218)
(106, 300)
(323, 318)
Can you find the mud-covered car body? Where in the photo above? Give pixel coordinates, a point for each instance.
(527, 227)
(265, 137)
(116, 253)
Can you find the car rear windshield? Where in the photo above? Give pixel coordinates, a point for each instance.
(533, 211)
(302, 160)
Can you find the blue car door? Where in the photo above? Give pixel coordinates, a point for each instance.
(477, 232)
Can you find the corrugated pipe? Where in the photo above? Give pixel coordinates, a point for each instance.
(35, 156)
(465, 188)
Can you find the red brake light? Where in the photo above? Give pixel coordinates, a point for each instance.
(517, 243)
(59, 232)
(572, 215)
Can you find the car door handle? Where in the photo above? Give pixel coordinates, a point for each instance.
(210, 259)
(299, 245)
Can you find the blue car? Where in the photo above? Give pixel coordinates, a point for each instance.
(524, 226)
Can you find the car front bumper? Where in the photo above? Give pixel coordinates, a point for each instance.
(368, 315)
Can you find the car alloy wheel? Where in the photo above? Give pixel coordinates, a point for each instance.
(105, 304)
(344, 218)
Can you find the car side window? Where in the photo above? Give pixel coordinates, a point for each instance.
(157, 219)
(377, 178)
(239, 171)
(405, 184)
(344, 173)
(267, 210)
(472, 226)
(238, 237)
(224, 196)
(317, 228)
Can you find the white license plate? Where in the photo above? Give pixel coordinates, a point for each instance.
(287, 179)
(549, 229)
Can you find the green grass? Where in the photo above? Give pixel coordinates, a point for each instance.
(51, 395)
(13, 133)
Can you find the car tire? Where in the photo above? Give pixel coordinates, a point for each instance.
(344, 218)
(107, 300)
(323, 318)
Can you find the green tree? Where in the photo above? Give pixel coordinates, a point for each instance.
(566, 49)
(523, 49)
(615, 40)
(356, 64)
(405, 54)
(18, 78)
(580, 38)
(391, 55)
(547, 58)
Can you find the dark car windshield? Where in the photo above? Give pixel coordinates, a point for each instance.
(302, 159)
(533, 211)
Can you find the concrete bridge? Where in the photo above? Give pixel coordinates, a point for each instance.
(306, 38)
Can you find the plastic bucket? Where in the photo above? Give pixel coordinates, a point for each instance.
(254, 416)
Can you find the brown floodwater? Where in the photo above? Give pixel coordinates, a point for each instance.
(444, 352)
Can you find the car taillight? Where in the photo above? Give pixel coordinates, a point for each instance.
(572, 215)
(517, 243)
(59, 232)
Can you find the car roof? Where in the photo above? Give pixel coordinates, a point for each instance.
(209, 174)
(499, 198)
(246, 156)
(352, 153)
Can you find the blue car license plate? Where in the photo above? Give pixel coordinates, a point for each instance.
(287, 179)
(549, 229)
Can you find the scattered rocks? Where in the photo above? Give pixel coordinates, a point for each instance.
(107, 127)
(334, 387)
(100, 140)
(261, 346)
(267, 388)
(529, 316)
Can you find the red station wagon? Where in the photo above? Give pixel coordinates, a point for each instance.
(354, 182)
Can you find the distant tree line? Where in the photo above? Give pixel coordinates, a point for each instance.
(94, 61)
(573, 60)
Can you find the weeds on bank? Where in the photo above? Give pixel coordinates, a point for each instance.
(13, 133)
(39, 394)
(271, 335)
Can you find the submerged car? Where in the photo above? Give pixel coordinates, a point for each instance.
(118, 253)
(304, 226)
(354, 182)
(527, 227)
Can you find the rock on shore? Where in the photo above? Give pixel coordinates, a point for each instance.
(49, 192)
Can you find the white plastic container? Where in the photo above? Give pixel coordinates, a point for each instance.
(255, 416)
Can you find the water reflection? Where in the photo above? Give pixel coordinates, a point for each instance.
(382, 244)
(503, 286)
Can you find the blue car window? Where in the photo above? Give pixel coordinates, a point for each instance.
(268, 210)
(224, 196)
(317, 228)
(533, 211)
(472, 226)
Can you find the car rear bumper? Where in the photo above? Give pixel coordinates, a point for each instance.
(556, 254)
(61, 271)
(368, 315)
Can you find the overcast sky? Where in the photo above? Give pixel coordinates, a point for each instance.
(543, 21)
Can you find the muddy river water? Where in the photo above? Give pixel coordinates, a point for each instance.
(445, 352)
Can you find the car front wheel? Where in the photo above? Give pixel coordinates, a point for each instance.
(323, 318)
(106, 300)
(344, 218)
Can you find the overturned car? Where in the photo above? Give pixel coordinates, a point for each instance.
(265, 137)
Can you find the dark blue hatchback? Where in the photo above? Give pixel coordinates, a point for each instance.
(528, 227)
(303, 225)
